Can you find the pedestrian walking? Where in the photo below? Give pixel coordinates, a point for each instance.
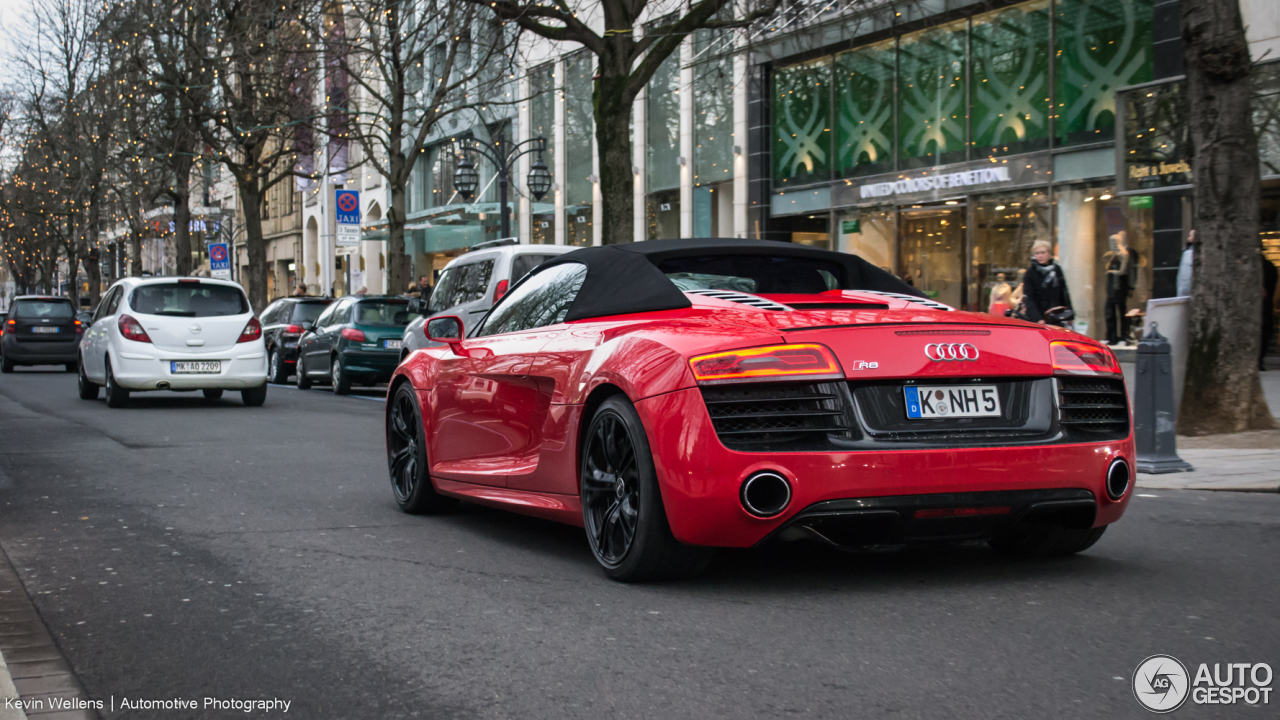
(1044, 288)
(412, 292)
(301, 290)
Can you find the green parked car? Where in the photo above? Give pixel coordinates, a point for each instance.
(357, 339)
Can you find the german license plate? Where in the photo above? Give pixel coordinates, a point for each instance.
(43, 329)
(196, 367)
(392, 344)
(951, 401)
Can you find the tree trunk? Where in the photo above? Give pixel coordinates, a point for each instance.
(254, 243)
(93, 268)
(397, 282)
(137, 226)
(613, 145)
(182, 231)
(1223, 392)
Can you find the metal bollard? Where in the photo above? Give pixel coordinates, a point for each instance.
(1154, 430)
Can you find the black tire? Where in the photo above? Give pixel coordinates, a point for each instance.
(622, 509)
(407, 457)
(339, 381)
(117, 397)
(254, 397)
(304, 382)
(6, 365)
(212, 394)
(73, 367)
(276, 371)
(1045, 541)
(88, 390)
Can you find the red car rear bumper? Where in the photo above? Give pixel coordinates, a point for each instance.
(700, 478)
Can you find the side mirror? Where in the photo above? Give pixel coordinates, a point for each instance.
(446, 329)
(415, 306)
(307, 326)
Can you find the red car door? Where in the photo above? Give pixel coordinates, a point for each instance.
(487, 408)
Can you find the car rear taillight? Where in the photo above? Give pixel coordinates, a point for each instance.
(774, 362)
(79, 327)
(500, 291)
(291, 330)
(252, 331)
(353, 334)
(132, 329)
(1081, 358)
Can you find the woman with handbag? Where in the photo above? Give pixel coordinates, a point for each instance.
(1045, 295)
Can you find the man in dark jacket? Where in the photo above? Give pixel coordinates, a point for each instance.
(1044, 286)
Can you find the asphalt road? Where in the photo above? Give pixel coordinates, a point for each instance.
(179, 548)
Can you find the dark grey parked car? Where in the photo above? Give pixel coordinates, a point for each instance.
(40, 330)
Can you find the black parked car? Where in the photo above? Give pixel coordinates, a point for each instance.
(356, 339)
(283, 323)
(41, 330)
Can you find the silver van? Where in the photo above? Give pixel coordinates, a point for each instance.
(472, 282)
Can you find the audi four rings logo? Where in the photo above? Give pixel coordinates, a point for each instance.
(946, 352)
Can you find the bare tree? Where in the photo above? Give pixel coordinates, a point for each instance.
(625, 61)
(414, 62)
(1226, 299)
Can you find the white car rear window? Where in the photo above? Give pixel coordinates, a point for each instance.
(189, 299)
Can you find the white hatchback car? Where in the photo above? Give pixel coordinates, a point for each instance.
(167, 333)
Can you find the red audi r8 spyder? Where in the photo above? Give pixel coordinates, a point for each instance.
(676, 396)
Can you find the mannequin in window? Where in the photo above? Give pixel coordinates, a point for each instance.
(1121, 265)
(1001, 297)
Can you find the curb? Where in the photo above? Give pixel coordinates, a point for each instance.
(8, 691)
(36, 670)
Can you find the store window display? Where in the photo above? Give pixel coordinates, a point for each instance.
(1005, 228)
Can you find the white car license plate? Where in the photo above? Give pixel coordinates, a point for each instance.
(43, 329)
(951, 401)
(199, 367)
(392, 344)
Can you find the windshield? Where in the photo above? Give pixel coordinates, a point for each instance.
(51, 309)
(385, 313)
(754, 274)
(307, 312)
(189, 299)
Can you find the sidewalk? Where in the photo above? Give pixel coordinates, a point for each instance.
(1241, 462)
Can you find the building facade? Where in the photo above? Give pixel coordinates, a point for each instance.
(940, 140)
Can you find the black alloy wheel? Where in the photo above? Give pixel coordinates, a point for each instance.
(276, 371)
(339, 381)
(88, 389)
(407, 457)
(6, 365)
(304, 382)
(117, 397)
(622, 510)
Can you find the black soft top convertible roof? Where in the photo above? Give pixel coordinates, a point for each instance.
(624, 279)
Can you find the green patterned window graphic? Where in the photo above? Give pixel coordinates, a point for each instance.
(931, 96)
(1009, 90)
(864, 110)
(1102, 45)
(802, 123)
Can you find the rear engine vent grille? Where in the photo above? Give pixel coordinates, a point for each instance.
(1093, 406)
(911, 298)
(740, 297)
(778, 416)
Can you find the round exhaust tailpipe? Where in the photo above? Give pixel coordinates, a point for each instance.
(1117, 479)
(162, 385)
(765, 494)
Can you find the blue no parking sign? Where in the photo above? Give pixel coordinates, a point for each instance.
(219, 260)
(347, 206)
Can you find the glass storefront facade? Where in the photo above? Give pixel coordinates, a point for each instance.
(662, 171)
(542, 118)
(938, 149)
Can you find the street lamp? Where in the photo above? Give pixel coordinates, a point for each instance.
(466, 179)
(503, 155)
(539, 181)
